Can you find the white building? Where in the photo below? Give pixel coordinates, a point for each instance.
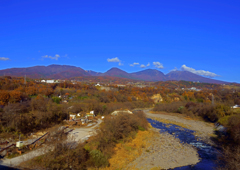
(236, 106)
(50, 81)
(97, 84)
(72, 117)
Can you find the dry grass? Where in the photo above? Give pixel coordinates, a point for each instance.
(197, 118)
(129, 151)
(237, 110)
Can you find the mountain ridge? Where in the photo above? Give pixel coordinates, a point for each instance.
(188, 76)
(66, 71)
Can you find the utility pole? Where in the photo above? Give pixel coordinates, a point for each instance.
(25, 82)
(212, 99)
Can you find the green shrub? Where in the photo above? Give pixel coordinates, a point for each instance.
(180, 109)
(98, 159)
(231, 143)
(224, 120)
(141, 128)
(56, 100)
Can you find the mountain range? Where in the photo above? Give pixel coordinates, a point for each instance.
(66, 72)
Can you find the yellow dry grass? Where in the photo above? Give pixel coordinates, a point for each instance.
(126, 153)
(191, 118)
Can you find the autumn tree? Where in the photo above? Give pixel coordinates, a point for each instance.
(15, 96)
(4, 97)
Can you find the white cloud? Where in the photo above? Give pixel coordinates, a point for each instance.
(53, 58)
(158, 65)
(142, 66)
(175, 69)
(148, 64)
(132, 65)
(199, 72)
(115, 60)
(4, 58)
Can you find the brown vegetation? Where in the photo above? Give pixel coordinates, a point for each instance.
(98, 150)
(33, 106)
(30, 107)
(206, 111)
(231, 144)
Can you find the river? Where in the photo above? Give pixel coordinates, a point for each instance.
(207, 153)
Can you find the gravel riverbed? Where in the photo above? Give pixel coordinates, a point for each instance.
(164, 152)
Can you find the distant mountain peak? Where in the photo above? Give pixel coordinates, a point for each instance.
(189, 76)
(115, 69)
(66, 71)
(150, 75)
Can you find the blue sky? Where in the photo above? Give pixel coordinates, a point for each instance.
(199, 36)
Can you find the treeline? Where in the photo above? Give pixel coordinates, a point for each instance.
(30, 106)
(186, 84)
(207, 111)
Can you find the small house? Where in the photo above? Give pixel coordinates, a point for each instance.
(72, 117)
(97, 84)
(50, 81)
(90, 114)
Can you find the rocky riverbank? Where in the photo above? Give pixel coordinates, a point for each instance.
(164, 152)
(151, 149)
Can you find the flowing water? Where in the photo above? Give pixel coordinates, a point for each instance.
(207, 153)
